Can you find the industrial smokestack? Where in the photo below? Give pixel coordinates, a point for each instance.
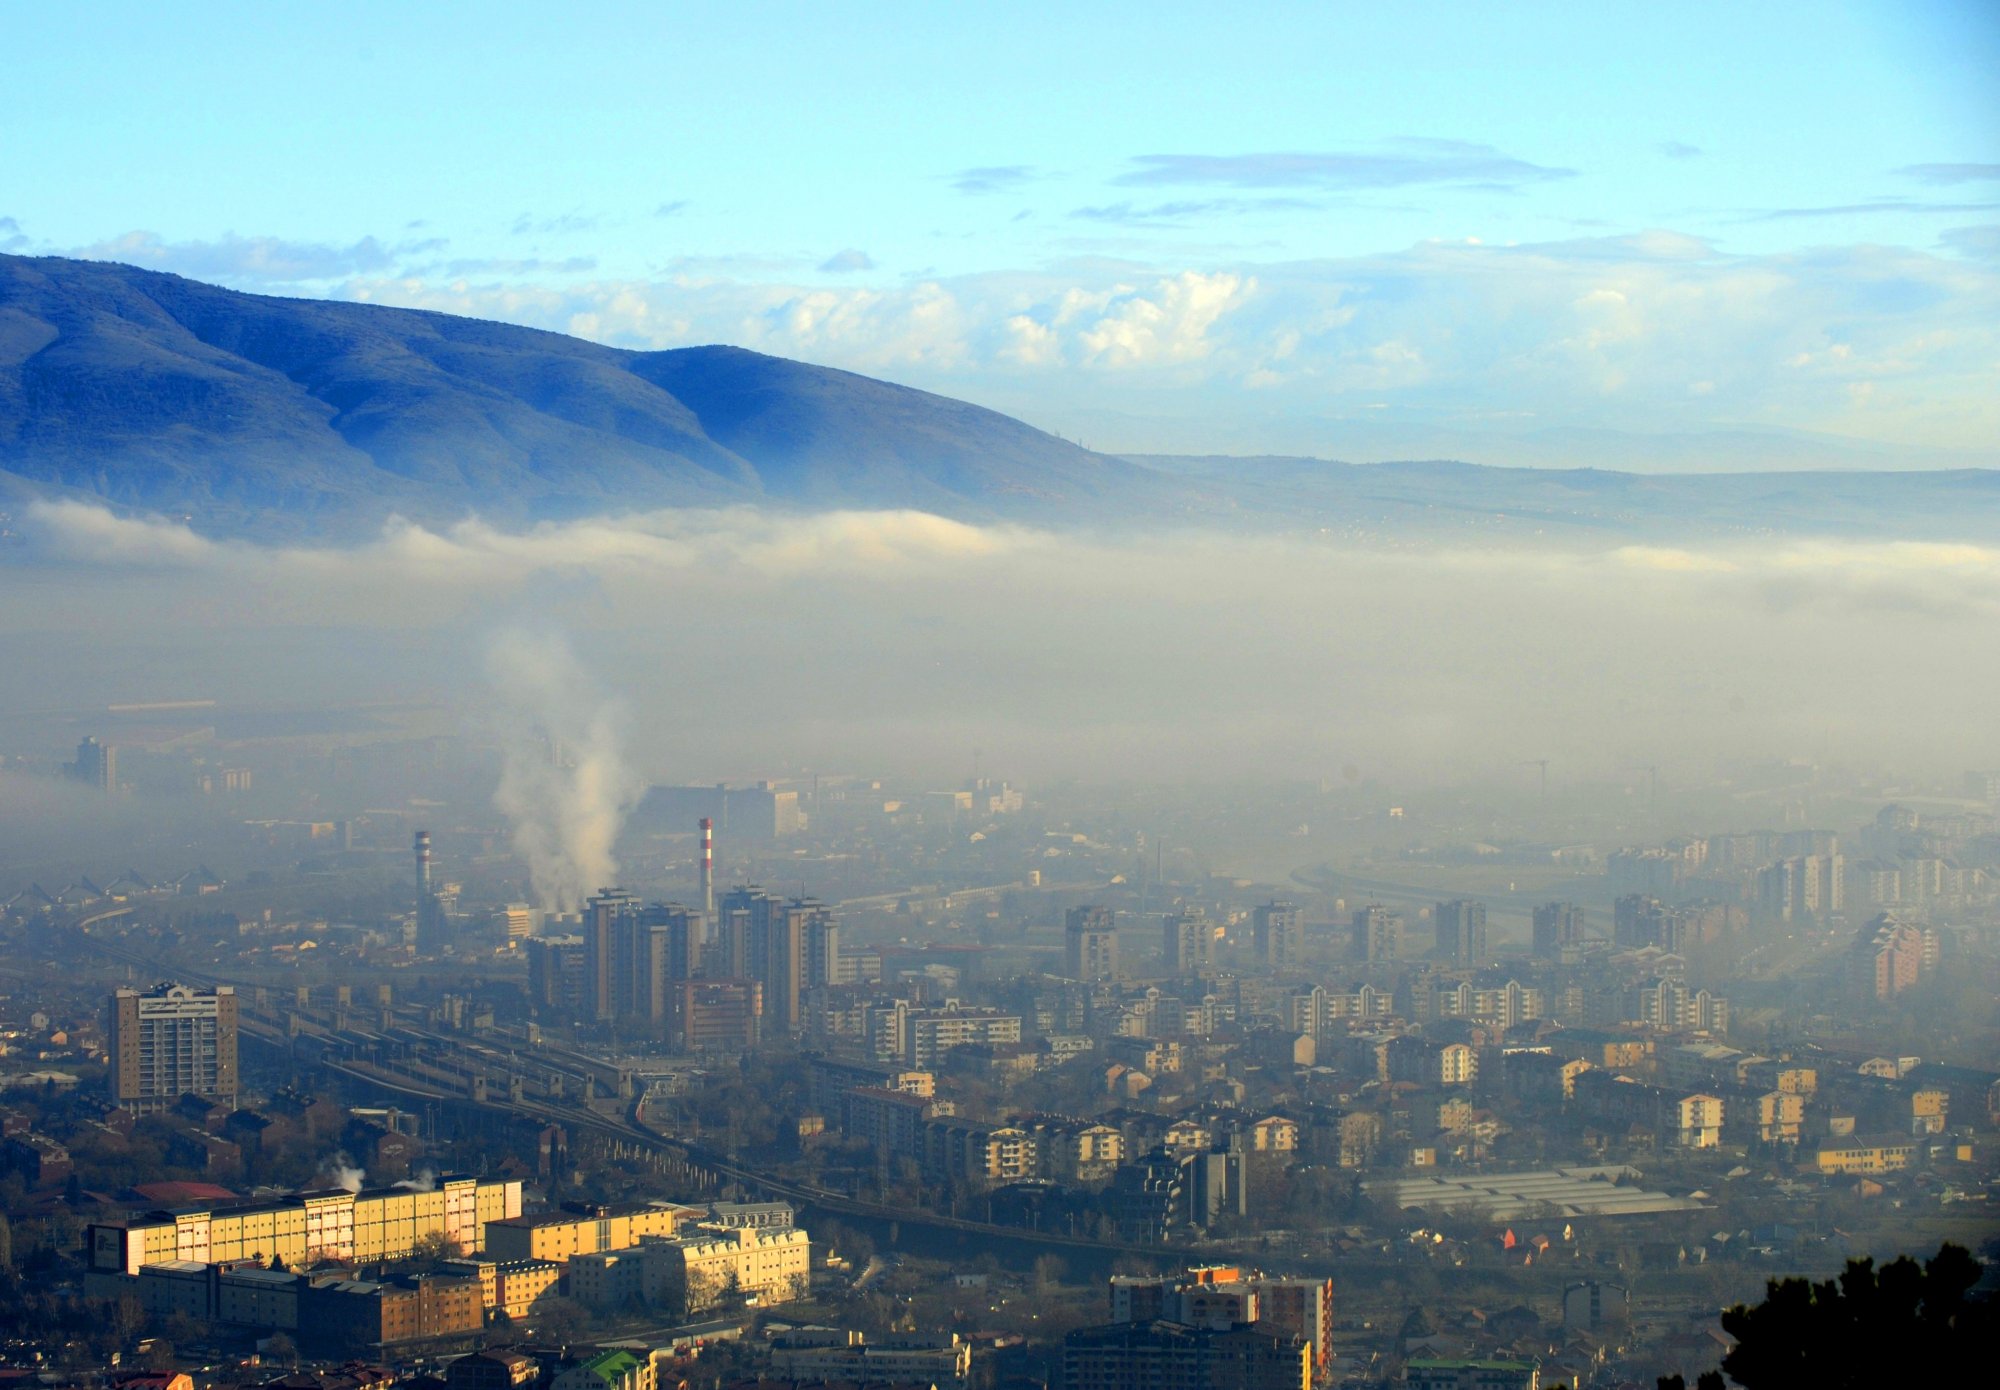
(423, 849)
(708, 866)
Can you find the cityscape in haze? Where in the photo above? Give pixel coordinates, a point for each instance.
(884, 697)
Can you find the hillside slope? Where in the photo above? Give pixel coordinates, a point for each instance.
(262, 416)
(246, 411)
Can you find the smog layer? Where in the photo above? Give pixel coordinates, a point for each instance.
(743, 639)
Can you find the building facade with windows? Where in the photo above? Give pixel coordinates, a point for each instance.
(170, 1041)
(332, 1224)
(561, 1235)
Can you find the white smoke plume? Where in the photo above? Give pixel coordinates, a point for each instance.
(426, 1180)
(346, 1175)
(565, 786)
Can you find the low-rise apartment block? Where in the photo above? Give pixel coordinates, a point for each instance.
(518, 1288)
(933, 1034)
(805, 1357)
(1691, 1121)
(558, 1236)
(353, 1227)
(1866, 1155)
(960, 1150)
(330, 1314)
(694, 1273)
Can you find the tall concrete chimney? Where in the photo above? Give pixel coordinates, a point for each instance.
(423, 849)
(708, 866)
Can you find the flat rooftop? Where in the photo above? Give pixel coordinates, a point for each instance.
(1507, 1196)
(566, 1218)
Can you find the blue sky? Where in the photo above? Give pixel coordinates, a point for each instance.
(1340, 229)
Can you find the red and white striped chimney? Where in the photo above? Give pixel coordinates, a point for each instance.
(708, 866)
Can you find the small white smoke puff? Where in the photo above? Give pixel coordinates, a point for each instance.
(564, 785)
(347, 1175)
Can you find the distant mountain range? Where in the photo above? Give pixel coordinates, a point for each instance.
(256, 415)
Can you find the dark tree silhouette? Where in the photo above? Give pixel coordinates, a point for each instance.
(1862, 1329)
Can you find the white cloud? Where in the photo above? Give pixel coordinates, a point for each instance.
(473, 555)
(1400, 163)
(1030, 344)
(924, 325)
(1166, 324)
(84, 531)
(1671, 561)
(1601, 331)
(232, 258)
(848, 261)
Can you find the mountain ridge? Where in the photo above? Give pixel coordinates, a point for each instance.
(153, 391)
(260, 415)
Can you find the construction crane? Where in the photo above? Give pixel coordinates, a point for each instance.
(1543, 764)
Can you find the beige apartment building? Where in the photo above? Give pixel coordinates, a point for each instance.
(1698, 1121)
(518, 1288)
(354, 1227)
(559, 1236)
(692, 1274)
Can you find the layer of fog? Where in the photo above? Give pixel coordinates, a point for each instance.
(742, 643)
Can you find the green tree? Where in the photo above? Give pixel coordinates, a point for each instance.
(1861, 1329)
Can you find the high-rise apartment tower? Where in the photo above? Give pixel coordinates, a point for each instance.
(1461, 932)
(170, 1041)
(1090, 944)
